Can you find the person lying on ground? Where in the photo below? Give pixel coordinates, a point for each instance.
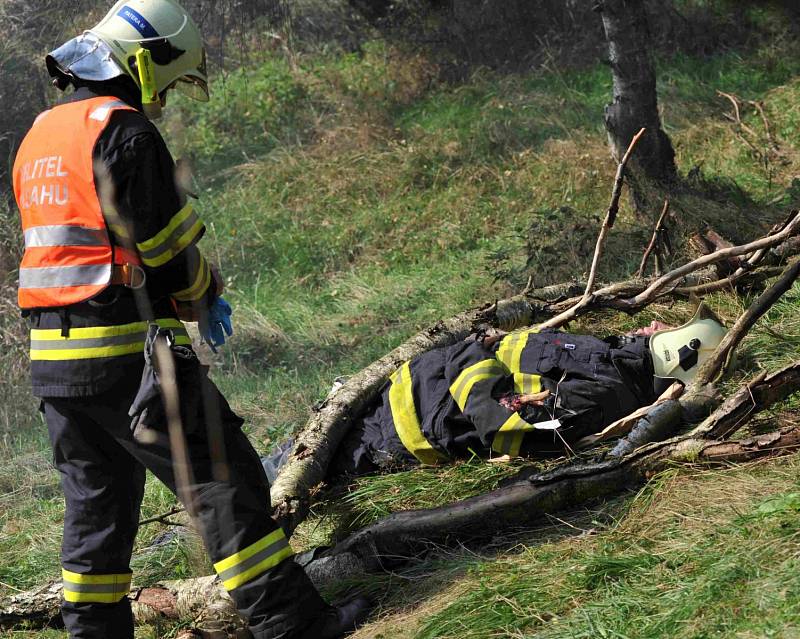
(526, 393)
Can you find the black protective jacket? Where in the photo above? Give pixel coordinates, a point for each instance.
(132, 153)
(454, 394)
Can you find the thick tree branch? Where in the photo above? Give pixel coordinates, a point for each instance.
(715, 365)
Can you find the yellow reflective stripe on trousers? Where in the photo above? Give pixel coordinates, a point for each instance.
(98, 342)
(462, 387)
(406, 421)
(183, 229)
(510, 350)
(256, 559)
(95, 588)
(199, 286)
(508, 440)
(525, 384)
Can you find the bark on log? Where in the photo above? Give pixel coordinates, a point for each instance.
(317, 442)
(635, 101)
(202, 599)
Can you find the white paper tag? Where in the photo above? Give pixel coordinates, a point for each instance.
(552, 424)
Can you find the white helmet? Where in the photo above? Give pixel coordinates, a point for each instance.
(159, 45)
(679, 352)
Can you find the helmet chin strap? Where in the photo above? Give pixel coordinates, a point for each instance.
(151, 101)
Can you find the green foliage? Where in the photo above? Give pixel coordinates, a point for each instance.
(250, 111)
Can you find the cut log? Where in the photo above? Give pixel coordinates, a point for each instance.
(203, 600)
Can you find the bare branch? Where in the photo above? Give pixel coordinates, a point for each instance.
(654, 240)
(715, 365)
(611, 214)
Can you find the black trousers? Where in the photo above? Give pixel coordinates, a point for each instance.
(102, 471)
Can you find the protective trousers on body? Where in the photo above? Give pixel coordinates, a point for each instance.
(102, 469)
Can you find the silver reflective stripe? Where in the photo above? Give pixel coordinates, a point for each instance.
(63, 276)
(172, 241)
(97, 342)
(63, 235)
(110, 588)
(92, 342)
(255, 559)
(101, 113)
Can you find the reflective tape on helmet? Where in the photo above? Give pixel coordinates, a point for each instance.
(183, 229)
(95, 588)
(508, 440)
(253, 561)
(462, 387)
(406, 420)
(64, 276)
(62, 235)
(98, 342)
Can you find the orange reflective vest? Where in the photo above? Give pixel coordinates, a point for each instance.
(69, 255)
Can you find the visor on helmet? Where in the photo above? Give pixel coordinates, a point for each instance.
(193, 88)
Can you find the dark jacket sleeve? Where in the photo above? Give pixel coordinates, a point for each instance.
(145, 209)
(473, 391)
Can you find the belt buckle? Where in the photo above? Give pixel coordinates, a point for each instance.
(135, 276)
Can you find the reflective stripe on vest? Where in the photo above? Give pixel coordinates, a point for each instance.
(100, 341)
(406, 421)
(39, 236)
(68, 250)
(95, 588)
(253, 561)
(64, 276)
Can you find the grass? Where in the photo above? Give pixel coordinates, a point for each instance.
(695, 554)
(353, 199)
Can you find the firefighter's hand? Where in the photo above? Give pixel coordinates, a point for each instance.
(189, 311)
(216, 277)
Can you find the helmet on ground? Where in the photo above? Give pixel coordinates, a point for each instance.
(158, 44)
(679, 352)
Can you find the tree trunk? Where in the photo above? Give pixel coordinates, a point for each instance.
(635, 102)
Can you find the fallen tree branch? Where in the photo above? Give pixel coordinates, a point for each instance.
(317, 442)
(611, 214)
(522, 503)
(715, 365)
(791, 229)
(654, 240)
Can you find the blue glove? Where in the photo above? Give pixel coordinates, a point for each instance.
(219, 324)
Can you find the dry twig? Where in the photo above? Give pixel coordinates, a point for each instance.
(655, 239)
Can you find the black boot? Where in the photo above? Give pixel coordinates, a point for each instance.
(339, 621)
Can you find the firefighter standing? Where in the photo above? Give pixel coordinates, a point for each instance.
(111, 263)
